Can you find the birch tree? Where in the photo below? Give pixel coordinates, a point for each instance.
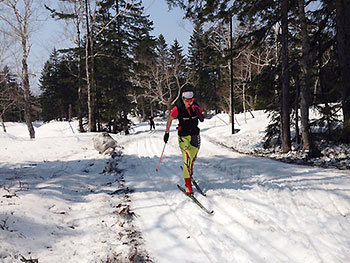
(168, 74)
(247, 63)
(72, 12)
(17, 18)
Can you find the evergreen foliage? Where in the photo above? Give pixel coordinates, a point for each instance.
(137, 73)
(203, 62)
(260, 29)
(58, 86)
(11, 96)
(116, 61)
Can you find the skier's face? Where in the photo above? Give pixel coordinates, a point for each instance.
(188, 102)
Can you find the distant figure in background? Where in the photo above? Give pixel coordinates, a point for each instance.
(151, 122)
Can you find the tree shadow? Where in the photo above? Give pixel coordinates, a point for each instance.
(239, 173)
(47, 202)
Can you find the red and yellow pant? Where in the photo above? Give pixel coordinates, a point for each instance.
(189, 146)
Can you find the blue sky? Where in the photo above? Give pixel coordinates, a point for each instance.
(169, 23)
(51, 34)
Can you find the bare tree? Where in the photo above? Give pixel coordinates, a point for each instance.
(89, 14)
(18, 16)
(166, 81)
(5, 44)
(247, 63)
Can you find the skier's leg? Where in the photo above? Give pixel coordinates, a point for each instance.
(186, 171)
(191, 168)
(195, 143)
(189, 152)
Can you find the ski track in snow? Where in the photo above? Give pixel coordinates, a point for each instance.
(263, 210)
(149, 148)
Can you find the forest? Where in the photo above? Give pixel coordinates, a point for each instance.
(284, 57)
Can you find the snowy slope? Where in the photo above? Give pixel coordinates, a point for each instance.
(265, 211)
(64, 209)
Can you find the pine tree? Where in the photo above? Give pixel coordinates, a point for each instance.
(59, 88)
(179, 72)
(204, 62)
(11, 95)
(162, 73)
(116, 47)
(143, 57)
(196, 63)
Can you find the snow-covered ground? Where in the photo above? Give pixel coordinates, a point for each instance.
(57, 204)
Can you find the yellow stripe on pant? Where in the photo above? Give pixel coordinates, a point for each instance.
(189, 152)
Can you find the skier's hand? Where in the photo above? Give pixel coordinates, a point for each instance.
(166, 137)
(198, 112)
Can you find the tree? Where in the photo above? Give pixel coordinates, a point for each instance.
(9, 94)
(305, 85)
(168, 74)
(285, 112)
(179, 73)
(161, 85)
(19, 16)
(59, 87)
(143, 57)
(343, 42)
(120, 53)
(73, 12)
(204, 66)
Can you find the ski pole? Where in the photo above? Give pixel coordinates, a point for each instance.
(160, 159)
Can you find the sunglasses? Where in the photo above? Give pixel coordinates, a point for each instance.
(188, 100)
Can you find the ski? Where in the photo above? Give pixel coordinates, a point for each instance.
(195, 200)
(196, 185)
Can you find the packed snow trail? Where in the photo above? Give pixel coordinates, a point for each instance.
(58, 206)
(265, 211)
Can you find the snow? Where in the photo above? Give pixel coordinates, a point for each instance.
(58, 205)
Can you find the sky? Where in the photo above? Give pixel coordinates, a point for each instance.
(58, 205)
(170, 23)
(53, 34)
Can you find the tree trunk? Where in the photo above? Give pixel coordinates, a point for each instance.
(3, 124)
(89, 80)
(285, 118)
(80, 88)
(88, 84)
(244, 104)
(93, 84)
(143, 110)
(297, 92)
(305, 78)
(343, 42)
(70, 112)
(26, 90)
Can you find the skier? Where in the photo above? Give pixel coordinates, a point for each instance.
(188, 113)
(151, 122)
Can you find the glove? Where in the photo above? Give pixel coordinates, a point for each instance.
(198, 112)
(166, 137)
